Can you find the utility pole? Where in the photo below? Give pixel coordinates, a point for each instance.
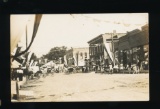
(112, 40)
(77, 57)
(27, 60)
(17, 90)
(113, 49)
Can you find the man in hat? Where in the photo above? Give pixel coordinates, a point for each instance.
(110, 68)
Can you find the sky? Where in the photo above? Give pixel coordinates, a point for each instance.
(75, 30)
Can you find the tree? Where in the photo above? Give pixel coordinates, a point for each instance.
(56, 52)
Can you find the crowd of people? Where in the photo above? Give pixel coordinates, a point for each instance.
(104, 65)
(89, 65)
(20, 72)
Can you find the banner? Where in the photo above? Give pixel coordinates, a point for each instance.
(75, 61)
(18, 24)
(29, 56)
(81, 63)
(107, 49)
(65, 60)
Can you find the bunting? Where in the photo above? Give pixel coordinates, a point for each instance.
(35, 29)
(107, 49)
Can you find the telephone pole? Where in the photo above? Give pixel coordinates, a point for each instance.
(112, 40)
(113, 49)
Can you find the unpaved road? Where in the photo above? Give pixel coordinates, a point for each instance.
(89, 87)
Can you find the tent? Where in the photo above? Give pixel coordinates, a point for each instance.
(49, 64)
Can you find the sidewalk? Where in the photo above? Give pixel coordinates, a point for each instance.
(13, 87)
(144, 71)
(125, 71)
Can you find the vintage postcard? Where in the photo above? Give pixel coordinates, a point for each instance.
(79, 57)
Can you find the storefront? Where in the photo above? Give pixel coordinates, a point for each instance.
(76, 56)
(134, 47)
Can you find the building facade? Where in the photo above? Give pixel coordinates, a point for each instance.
(130, 48)
(98, 50)
(133, 47)
(76, 56)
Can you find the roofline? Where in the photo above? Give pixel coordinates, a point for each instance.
(101, 35)
(78, 48)
(95, 38)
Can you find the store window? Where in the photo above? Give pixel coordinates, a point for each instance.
(81, 55)
(85, 54)
(120, 56)
(124, 57)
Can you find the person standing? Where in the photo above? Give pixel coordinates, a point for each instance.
(97, 65)
(110, 68)
(85, 65)
(129, 67)
(14, 74)
(138, 66)
(26, 71)
(20, 73)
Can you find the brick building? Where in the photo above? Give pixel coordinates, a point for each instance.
(134, 46)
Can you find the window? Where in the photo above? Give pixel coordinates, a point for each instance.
(85, 54)
(81, 55)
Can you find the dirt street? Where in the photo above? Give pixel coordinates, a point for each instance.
(89, 87)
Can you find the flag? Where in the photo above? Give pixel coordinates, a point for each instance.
(29, 56)
(65, 60)
(107, 49)
(75, 61)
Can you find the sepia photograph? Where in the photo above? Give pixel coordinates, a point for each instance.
(79, 57)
